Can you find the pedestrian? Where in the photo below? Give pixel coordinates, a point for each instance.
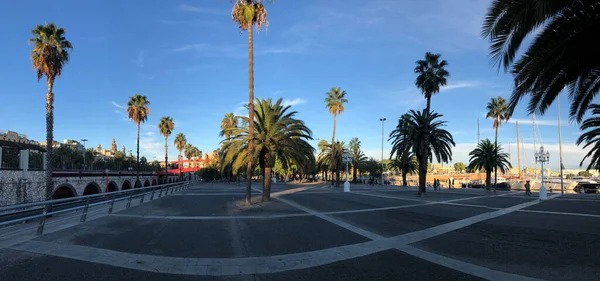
(527, 188)
(453, 183)
(449, 182)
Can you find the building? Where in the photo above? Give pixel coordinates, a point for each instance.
(15, 137)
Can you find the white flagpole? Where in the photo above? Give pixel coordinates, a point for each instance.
(562, 187)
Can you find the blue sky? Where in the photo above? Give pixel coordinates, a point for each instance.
(190, 61)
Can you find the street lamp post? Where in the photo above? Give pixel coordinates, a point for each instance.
(84, 140)
(346, 157)
(542, 157)
(382, 122)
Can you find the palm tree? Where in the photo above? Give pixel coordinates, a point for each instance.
(246, 14)
(138, 111)
(591, 138)
(488, 156)
(407, 164)
(323, 144)
(166, 127)
(561, 55)
(497, 110)
(180, 142)
(326, 155)
(189, 151)
(278, 137)
(357, 156)
(421, 133)
(49, 54)
(431, 75)
(229, 121)
(334, 101)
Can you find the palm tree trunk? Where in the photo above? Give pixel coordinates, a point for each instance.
(404, 182)
(353, 174)
(488, 179)
(337, 177)
(428, 103)
(166, 161)
(179, 164)
(422, 175)
(137, 161)
(49, 142)
(333, 168)
(250, 114)
(496, 157)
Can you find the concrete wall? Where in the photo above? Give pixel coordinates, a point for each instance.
(17, 186)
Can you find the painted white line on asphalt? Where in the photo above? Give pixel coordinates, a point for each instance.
(211, 217)
(469, 268)
(560, 213)
(470, 205)
(389, 197)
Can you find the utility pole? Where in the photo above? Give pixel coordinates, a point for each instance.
(562, 187)
(84, 140)
(518, 150)
(382, 121)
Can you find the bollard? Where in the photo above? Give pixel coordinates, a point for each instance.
(40, 229)
(542, 192)
(112, 203)
(142, 199)
(152, 195)
(85, 210)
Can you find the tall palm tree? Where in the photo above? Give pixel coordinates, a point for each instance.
(334, 152)
(278, 136)
(49, 54)
(246, 14)
(189, 151)
(229, 121)
(431, 75)
(562, 54)
(488, 156)
(334, 101)
(422, 134)
(591, 138)
(180, 142)
(166, 127)
(138, 111)
(357, 156)
(407, 164)
(497, 110)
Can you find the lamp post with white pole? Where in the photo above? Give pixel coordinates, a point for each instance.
(382, 122)
(542, 157)
(84, 140)
(346, 157)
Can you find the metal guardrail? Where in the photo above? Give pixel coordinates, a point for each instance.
(84, 203)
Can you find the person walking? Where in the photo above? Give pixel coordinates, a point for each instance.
(527, 188)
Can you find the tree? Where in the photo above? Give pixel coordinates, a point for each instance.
(357, 156)
(334, 101)
(278, 136)
(584, 174)
(488, 156)
(372, 167)
(49, 54)
(591, 139)
(497, 110)
(459, 167)
(229, 121)
(166, 126)
(336, 153)
(431, 75)
(421, 133)
(138, 111)
(189, 151)
(246, 14)
(180, 142)
(143, 162)
(323, 144)
(407, 164)
(562, 54)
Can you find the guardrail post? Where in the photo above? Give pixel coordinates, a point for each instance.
(85, 210)
(40, 229)
(160, 192)
(142, 199)
(112, 204)
(152, 195)
(129, 201)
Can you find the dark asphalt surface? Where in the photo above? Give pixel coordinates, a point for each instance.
(545, 246)
(208, 238)
(328, 202)
(389, 265)
(395, 222)
(210, 205)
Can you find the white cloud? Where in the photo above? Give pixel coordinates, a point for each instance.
(118, 105)
(296, 101)
(197, 9)
(139, 61)
(459, 85)
(541, 122)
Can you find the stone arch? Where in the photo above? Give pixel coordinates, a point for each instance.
(112, 186)
(126, 185)
(146, 183)
(91, 188)
(64, 190)
(154, 182)
(138, 184)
